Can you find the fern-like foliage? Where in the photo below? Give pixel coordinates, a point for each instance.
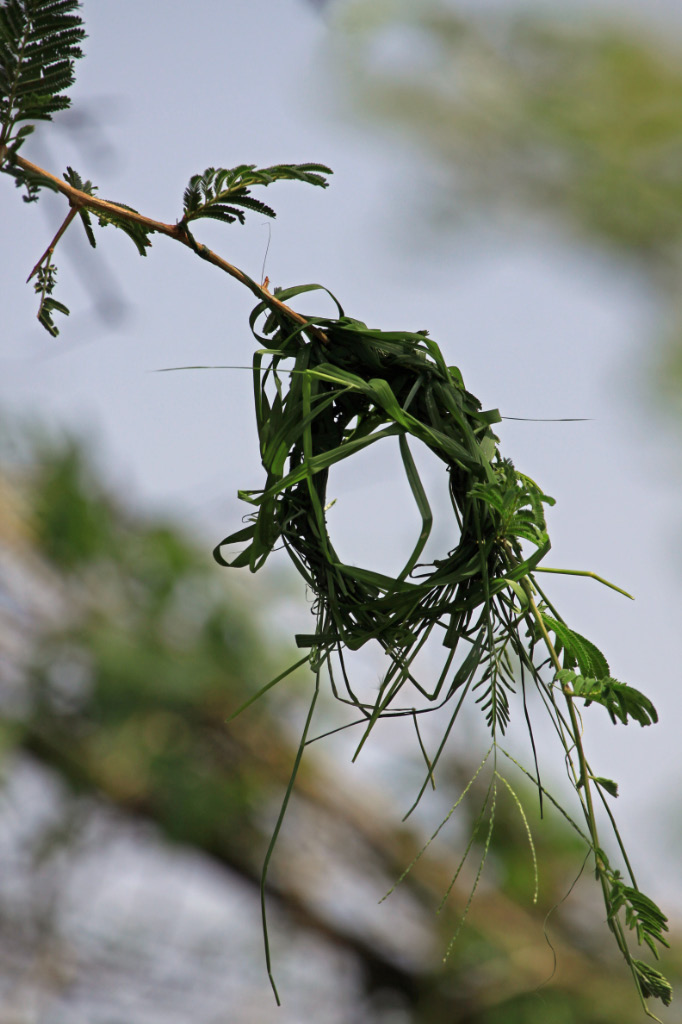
(136, 232)
(622, 702)
(578, 650)
(39, 42)
(28, 180)
(646, 920)
(519, 502)
(72, 177)
(223, 194)
(653, 984)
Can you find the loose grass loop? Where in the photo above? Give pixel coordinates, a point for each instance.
(326, 389)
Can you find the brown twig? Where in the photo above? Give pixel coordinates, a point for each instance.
(83, 200)
(51, 247)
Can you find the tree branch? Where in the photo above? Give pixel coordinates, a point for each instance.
(178, 232)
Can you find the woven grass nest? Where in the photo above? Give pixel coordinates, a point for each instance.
(325, 389)
(324, 392)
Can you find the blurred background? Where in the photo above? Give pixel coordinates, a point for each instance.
(508, 177)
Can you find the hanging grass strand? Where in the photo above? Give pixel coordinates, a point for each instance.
(327, 389)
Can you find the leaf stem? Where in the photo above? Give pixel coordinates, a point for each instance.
(584, 781)
(51, 247)
(584, 572)
(584, 773)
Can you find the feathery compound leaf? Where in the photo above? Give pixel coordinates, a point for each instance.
(519, 502)
(620, 700)
(579, 649)
(73, 178)
(249, 203)
(642, 915)
(39, 42)
(137, 233)
(217, 192)
(30, 180)
(652, 983)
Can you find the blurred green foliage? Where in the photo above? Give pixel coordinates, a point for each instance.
(568, 118)
(135, 653)
(578, 117)
(130, 693)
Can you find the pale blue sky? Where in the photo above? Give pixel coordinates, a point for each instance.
(539, 327)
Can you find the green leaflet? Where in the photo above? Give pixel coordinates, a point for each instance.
(641, 914)
(136, 232)
(223, 194)
(578, 649)
(652, 983)
(609, 785)
(46, 279)
(622, 702)
(39, 44)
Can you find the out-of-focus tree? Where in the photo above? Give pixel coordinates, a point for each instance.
(574, 118)
(125, 656)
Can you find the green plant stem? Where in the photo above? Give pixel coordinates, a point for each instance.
(584, 572)
(276, 831)
(584, 779)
